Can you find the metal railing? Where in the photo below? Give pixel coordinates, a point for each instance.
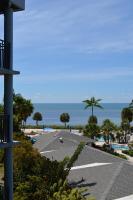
(2, 53)
(4, 127)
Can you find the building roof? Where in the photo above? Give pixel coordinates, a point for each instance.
(105, 176)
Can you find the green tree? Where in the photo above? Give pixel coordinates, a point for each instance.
(29, 162)
(37, 117)
(108, 127)
(66, 193)
(1, 108)
(28, 110)
(35, 188)
(92, 130)
(65, 118)
(92, 120)
(126, 114)
(119, 135)
(75, 156)
(125, 125)
(92, 103)
(22, 109)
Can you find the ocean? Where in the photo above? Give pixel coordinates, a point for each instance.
(78, 115)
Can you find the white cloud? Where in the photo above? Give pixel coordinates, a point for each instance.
(81, 26)
(106, 74)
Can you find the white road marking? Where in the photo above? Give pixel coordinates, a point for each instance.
(89, 165)
(130, 197)
(47, 151)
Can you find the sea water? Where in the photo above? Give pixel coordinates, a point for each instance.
(78, 115)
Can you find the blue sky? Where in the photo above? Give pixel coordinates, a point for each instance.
(68, 51)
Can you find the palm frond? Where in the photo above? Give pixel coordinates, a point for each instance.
(99, 100)
(92, 102)
(99, 106)
(88, 102)
(86, 106)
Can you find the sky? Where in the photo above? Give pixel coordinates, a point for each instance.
(69, 51)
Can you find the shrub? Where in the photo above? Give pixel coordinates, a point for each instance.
(92, 130)
(128, 152)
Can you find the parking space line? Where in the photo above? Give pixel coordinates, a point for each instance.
(90, 165)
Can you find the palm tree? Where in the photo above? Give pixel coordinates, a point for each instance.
(126, 114)
(125, 125)
(108, 127)
(27, 110)
(119, 134)
(65, 118)
(22, 108)
(37, 117)
(92, 103)
(92, 120)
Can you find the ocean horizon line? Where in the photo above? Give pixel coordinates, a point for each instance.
(78, 103)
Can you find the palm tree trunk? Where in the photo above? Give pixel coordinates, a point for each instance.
(37, 122)
(108, 138)
(92, 110)
(125, 137)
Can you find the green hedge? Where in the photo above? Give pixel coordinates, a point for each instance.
(128, 152)
(119, 155)
(54, 126)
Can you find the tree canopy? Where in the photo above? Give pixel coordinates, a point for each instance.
(107, 127)
(65, 118)
(125, 125)
(92, 120)
(37, 117)
(127, 114)
(22, 109)
(92, 130)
